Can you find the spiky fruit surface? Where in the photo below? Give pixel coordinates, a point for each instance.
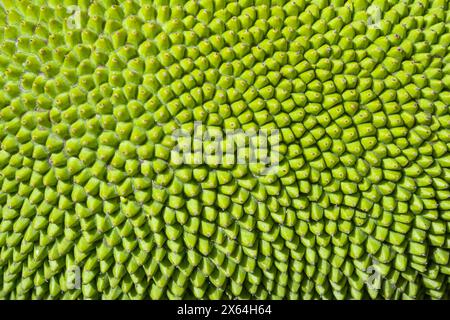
(89, 95)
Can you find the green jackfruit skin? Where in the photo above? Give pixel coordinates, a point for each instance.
(89, 95)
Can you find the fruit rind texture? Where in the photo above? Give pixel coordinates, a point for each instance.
(97, 202)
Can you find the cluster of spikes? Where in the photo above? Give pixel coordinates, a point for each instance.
(90, 91)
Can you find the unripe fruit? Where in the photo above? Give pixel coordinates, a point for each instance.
(329, 157)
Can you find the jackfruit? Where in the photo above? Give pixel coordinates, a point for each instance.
(100, 98)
